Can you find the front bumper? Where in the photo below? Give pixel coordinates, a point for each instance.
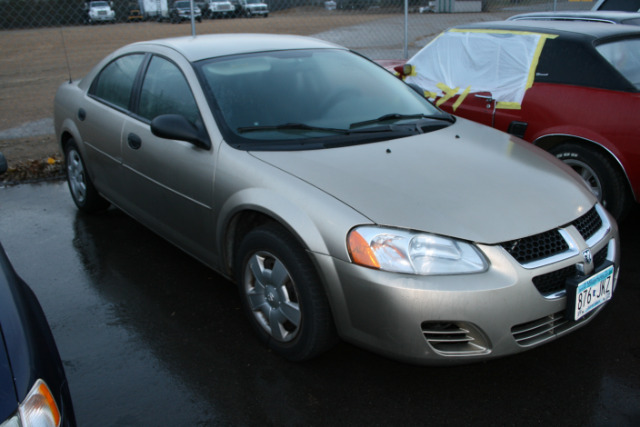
(258, 10)
(460, 318)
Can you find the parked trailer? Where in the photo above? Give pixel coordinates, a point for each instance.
(154, 9)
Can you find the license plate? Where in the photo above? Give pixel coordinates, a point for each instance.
(593, 292)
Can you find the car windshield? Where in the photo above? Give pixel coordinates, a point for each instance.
(182, 4)
(624, 55)
(299, 95)
(99, 4)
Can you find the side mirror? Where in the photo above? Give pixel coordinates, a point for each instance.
(175, 126)
(3, 164)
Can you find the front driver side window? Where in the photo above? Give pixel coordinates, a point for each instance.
(115, 81)
(165, 91)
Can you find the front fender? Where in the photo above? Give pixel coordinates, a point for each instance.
(244, 183)
(302, 213)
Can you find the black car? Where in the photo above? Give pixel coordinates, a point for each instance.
(33, 386)
(625, 5)
(608, 17)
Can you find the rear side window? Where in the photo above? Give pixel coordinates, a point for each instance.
(624, 55)
(574, 63)
(115, 81)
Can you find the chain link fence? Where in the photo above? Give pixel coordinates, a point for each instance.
(45, 42)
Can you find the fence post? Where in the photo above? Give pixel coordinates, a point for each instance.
(193, 20)
(406, 29)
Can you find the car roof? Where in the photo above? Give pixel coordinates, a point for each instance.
(587, 31)
(612, 17)
(216, 45)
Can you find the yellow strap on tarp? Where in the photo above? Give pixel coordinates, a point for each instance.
(461, 98)
(448, 93)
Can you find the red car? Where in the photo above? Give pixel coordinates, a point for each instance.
(572, 88)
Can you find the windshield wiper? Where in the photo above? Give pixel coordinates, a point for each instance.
(303, 126)
(396, 116)
(292, 126)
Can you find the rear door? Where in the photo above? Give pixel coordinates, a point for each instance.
(101, 117)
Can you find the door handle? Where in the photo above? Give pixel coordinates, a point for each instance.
(488, 98)
(134, 141)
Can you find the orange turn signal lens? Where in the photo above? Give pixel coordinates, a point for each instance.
(360, 251)
(39, 408)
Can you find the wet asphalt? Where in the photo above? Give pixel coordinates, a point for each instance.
(151, 337)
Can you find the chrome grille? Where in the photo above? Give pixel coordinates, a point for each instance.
(536, 247)
(555, 282)
(553, 242)
(550, 283)
(588, 224)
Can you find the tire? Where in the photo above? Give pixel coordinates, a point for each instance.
(291, 315)
(599, 174)
(84, 194)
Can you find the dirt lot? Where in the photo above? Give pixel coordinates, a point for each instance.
(33, 65)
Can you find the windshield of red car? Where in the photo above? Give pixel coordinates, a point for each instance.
(305, 94)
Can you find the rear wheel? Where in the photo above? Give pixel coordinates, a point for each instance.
(282, 295)
(84, 194)
(599, 175)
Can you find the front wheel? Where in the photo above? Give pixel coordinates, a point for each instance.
(84, 194)
(599, 175)
(282, 295)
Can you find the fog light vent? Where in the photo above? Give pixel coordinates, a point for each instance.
(455, 338)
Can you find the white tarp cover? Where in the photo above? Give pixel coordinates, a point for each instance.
(466, 61)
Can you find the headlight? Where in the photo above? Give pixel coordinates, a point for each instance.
(403, 251)
(38, 409)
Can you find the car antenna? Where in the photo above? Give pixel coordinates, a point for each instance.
(66, 56)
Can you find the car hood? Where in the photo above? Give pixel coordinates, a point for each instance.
(465, 181)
